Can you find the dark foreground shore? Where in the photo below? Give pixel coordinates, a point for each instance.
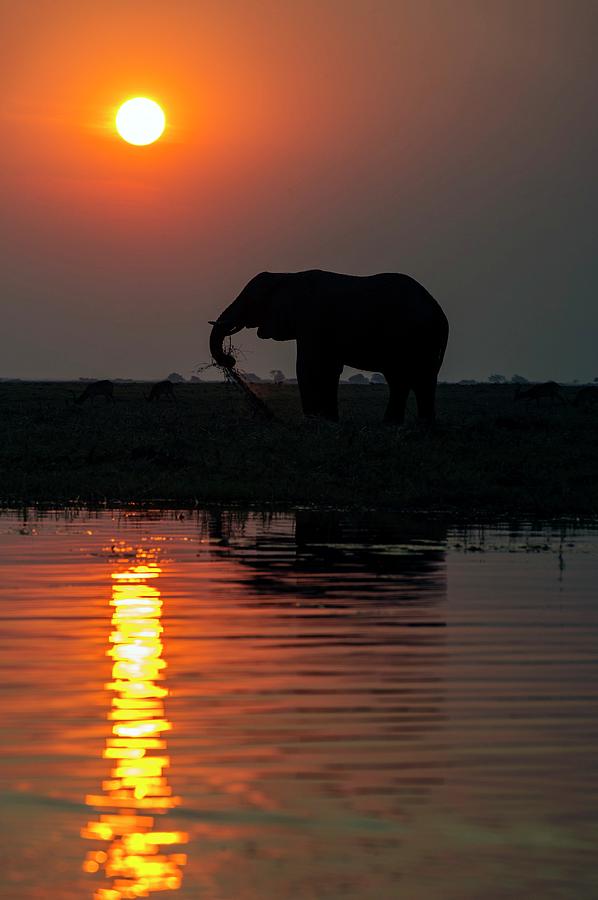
(487, 455)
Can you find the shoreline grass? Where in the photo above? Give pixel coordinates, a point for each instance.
(488, 455)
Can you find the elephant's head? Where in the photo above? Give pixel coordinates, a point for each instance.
(266, 303)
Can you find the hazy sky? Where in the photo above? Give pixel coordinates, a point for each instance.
(455, 140)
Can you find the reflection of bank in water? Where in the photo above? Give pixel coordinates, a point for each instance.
(322, 553)
(137, 790)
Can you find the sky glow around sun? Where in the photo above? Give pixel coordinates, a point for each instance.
(140, 121)
(433, 161)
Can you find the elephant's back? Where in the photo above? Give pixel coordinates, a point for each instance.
(386, 288)
(389, 299)
(404, 294)
(378, 318)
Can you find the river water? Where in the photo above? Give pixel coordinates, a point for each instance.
(308, 706)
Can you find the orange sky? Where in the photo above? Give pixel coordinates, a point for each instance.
(455, 141)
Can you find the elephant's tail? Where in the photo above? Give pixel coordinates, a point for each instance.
(441, 356)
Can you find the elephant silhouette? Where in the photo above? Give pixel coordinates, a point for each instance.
(385, 323)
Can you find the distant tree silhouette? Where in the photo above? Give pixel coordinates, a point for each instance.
(519, 379)
(277, 376)
(377, 378)
(358, 379)
(175, 377)
(497, 379)
(550, 389)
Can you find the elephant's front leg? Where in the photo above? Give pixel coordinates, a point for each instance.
(317, 376)
(398, 387)
(425, 395)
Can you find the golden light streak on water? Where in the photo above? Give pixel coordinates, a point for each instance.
(133, 864)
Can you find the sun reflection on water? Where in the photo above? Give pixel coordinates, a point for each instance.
(134, 862)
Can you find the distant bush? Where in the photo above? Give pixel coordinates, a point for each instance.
(175, 378)
(358, 379)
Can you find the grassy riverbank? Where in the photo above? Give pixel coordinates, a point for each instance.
(487, 454)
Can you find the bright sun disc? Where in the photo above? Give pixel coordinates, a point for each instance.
(140, 121)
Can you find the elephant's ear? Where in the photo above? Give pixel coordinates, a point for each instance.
(279, 293)
(264, 297)
(253, 303)
(270, 283)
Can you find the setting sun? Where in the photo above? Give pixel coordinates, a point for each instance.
(140, 121)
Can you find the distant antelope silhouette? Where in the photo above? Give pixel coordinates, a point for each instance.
(586, 395)
(97, 389)
(162, 389)
(549, 389)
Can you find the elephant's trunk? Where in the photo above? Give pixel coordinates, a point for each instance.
(219, 332)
